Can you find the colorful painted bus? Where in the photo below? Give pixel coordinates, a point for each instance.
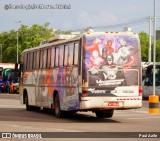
(94, 71)
(7, 72)
(5, 66)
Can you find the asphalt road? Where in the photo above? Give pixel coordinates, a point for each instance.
(14, 118)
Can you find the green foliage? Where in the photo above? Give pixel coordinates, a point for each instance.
(158, 51)
(144, 40)
(28, 37)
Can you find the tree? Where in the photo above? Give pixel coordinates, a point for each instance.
(158, 51)
(28, 37)
(144, 41)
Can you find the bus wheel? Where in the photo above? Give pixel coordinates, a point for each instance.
(28, 107)
(100, 114)
(108, 113)
(57, 110)
(104, 114)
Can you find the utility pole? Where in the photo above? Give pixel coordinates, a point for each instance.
(149, 49)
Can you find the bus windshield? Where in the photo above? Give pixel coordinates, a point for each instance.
(149, 77)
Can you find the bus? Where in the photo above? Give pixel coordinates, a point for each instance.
(93, 71)
(148, 79)
(7, 72)
(5, 66)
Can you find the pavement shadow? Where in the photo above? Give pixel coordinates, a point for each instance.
(21, 115)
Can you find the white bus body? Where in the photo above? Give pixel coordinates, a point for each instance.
(97, 72)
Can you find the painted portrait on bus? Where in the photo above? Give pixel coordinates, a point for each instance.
(105, 58)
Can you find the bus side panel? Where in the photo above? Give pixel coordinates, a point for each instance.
(42, 88)
(62, 80)
(66, 80)
(29, 86)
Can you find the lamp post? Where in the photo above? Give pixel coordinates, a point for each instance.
(17, 41)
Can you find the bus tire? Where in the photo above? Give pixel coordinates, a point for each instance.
(100, 114)
(57, 109)
(108, 113)
(28, 107)
(104, 114)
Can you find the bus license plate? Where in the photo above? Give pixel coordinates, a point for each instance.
(113, 104)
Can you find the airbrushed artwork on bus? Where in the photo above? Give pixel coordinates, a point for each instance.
(48, 81)
(69, 93)
(106, 57)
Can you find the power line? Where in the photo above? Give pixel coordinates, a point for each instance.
(130, 23)
(121, 24)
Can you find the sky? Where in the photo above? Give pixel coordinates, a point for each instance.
(79, 14)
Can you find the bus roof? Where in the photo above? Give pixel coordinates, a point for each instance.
(54, 41)
(61, 39)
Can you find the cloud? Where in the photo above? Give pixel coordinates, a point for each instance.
(99, 19)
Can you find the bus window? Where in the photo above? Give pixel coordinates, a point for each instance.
(41, 59)
(157, 79)
(149, 81)
(34, 60)
(52, 57)
(37, 59)
(66, 56)
(31, 61)
(28, 58)
(57, 57)
(71, 47)
(61, 52)
(44, 58)
(48, 58)
(24, 60)
(76, 54)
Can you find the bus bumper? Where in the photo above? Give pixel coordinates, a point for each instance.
(110, 102)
